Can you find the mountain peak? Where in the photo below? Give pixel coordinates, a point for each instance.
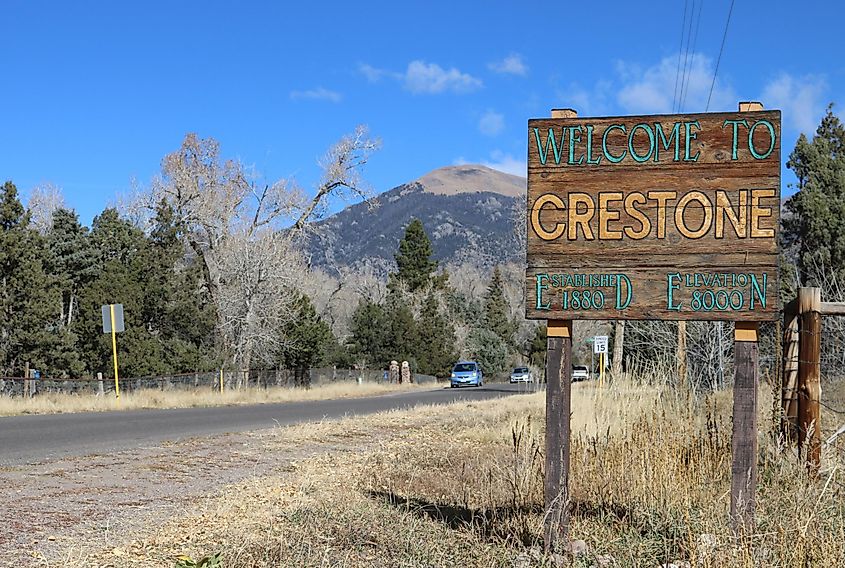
(472, 178)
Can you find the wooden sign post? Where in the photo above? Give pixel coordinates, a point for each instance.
(663, 217)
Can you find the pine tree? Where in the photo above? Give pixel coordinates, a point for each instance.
(306, 339)
(413, 259)
(71, 265)
(488, 350)
(28, 302)
(538, 347)
(434, 345)
(496, 310)
(367, 332)
(815, 222)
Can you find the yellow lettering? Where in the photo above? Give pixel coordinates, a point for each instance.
(630, 208)
(662, 197)
(537, 225)
(706, 206)
(724, 208)
(605, 215)
(577, 218)
(758, 212)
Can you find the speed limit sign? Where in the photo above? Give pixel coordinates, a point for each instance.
(600, 344)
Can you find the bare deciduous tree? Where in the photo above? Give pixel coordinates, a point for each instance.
(245, 232)
(44, 200)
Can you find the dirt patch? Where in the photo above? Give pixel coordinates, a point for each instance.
(61, 509)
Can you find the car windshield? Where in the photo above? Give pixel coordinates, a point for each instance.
(521, 370)
(580, 368)
(464, 367)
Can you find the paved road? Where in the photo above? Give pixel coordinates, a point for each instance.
(28, 439)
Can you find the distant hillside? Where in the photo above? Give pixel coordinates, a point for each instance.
(467, 212)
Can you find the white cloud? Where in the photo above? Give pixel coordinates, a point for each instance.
(318, 94)
(491, 123)
(373, 74)
(506, 163)
(800, 99)
(510, 65)
(655, 89)
(424, 78)
(430, 78)
(586, 102)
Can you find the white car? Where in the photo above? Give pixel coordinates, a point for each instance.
(580, 373)
(521, 375)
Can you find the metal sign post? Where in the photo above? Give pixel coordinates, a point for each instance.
(112, 323)
(600, 348)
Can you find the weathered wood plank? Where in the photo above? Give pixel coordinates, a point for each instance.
(558, 393)
(700, 141)
(833, 309)
(649, 193)
(663, 293)
(744, 432)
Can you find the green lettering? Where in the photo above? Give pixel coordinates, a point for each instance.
(590, 160)
(735, 123)
(670, 288)
(637, 157)
(572, 141)
(620, 304)
(540, 288)
(543, 149)
(610, 157)
(751, 147)
(661, 139)
(758, 291)
(690, 136)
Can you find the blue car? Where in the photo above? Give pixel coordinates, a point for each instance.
(467, 373)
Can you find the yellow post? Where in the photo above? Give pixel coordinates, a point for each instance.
(221, 381)
(114, 352)
(601, 370)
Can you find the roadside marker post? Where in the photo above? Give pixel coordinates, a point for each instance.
(112, 323)
(600, 348)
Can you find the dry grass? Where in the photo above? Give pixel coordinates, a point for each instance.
(462, 486)
(55, 403)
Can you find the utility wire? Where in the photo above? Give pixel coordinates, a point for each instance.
(684, 89)
(686, 55)
(719, 59)
(680, 49)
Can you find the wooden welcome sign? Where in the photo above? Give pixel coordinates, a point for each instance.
(669, 217)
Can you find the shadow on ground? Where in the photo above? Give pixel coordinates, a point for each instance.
(511, 525)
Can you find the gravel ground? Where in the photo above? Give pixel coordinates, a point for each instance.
(55, 510)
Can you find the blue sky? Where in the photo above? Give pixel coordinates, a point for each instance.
(96, 93)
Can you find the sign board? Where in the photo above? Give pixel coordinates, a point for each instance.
(600, 344)
(666, 217)
(118, 318)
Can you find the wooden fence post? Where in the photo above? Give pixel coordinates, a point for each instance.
(26, 380)
(809, 377)
(744, 434)
(558, 396)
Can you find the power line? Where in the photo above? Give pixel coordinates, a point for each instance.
(719, 59)
(685, 88)
(680, 49)
(686, 56)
